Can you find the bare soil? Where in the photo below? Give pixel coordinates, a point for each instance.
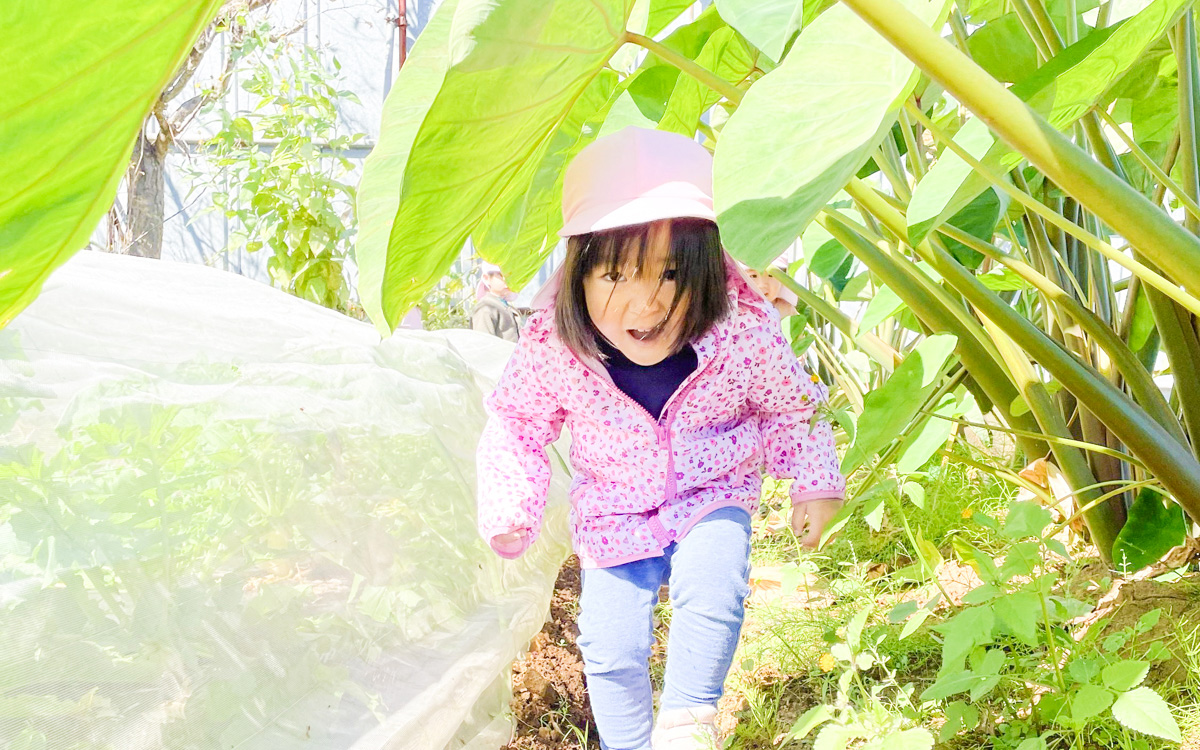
(550, 700)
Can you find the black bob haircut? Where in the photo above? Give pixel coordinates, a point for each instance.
(695, 256)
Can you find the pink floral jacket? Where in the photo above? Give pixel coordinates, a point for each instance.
(642, 483)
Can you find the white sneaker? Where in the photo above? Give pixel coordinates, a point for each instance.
(692, 728)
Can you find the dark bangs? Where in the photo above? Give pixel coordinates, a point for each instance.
(695, 255)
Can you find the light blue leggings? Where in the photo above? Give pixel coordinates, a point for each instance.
(708, 570)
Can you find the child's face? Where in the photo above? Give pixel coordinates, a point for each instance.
(496, 284)
(630, 308)
(767, 285)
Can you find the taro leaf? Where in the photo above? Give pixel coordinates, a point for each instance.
(663, 12)
(1150, 532)
(79, 80)
(524, 226)
(921, 444)
(1155, 116)
(978, 219)
(1145, 711)
(725, 54)
(517, 68)
(625, 113)
(806, 127)
(1062, 91)
(383, 173)
(888, 410)
(882, 306)
(767, 24)
(1003, 48)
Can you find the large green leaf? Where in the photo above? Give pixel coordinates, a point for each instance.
(78, 81)
(768, 24)
(1062, 91)
(383, 173)
(888, 410)
(1003, 48)
(517, 68)
(806, 127)
(727, 55)
(524, 227)
(1150, 532)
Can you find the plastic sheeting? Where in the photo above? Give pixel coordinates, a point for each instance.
(232, 519)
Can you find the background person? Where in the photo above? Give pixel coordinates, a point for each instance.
(492, 312)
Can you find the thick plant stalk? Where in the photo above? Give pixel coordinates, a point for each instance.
(1172, 463)
(1116, 203)
(1145, 390)
(1103, 521)
(975, 351)
(1148, 274)
(1164, 180)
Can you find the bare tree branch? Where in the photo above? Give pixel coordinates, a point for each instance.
(194, 58)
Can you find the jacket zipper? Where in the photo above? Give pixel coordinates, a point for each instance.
(662, 428)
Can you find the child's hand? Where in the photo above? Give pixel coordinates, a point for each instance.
(511, 544)
(818, 513)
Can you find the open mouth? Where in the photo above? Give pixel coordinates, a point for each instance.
(646, 334)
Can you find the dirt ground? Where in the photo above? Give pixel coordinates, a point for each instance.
(550, 702)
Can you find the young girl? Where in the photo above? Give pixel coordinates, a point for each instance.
(670, 372)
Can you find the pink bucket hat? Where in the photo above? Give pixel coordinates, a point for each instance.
(635, 176)
(632, 176)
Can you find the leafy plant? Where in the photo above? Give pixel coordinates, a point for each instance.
(291, 197)
(1010, 646)
(883, 716)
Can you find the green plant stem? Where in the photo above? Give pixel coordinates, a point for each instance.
(1172, 463)
(879, 349)
(1127, 211)
(1054, 656)
(931, 304)
(916, 154)
(1151, 166)
(689, 66)
(1148, 275)
(1083, 509)
(1084, 445)
(1144, 388)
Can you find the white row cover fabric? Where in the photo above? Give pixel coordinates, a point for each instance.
(232, 519)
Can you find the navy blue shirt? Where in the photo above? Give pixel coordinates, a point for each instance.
(652, 385)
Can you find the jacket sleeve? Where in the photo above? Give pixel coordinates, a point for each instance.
(524, 417)
(796, 444)
(484, 318)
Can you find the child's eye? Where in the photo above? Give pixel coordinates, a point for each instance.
(669, 275)
(613, 276)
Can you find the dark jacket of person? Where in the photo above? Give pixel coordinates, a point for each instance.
(495, 316)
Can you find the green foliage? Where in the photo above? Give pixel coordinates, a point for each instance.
(77, 84)
(1012, 634)
(152, 548)
(524, 68)
(1151, 531)
(291, 198)
(773, 179)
